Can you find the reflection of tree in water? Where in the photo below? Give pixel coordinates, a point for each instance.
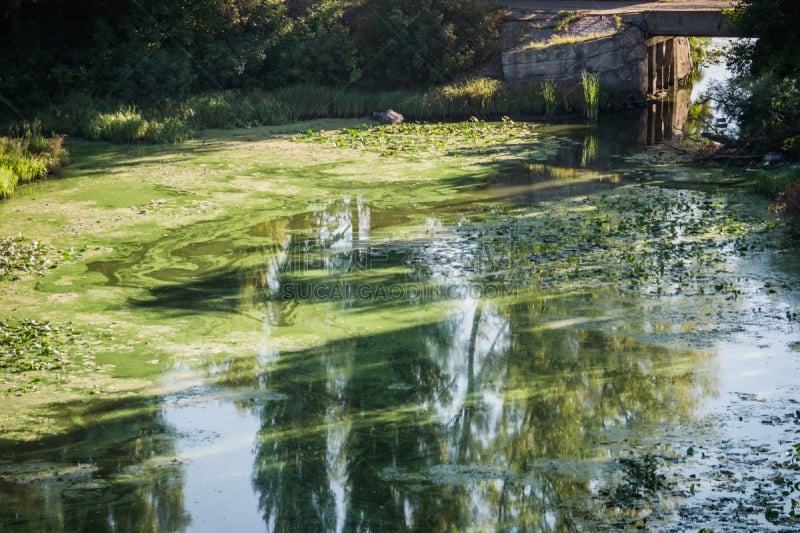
(103, 464)
(487, 417)
(444, 424)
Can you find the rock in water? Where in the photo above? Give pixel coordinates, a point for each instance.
(389, 116)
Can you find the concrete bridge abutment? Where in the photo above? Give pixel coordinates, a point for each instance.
(669, 62)
(648, 55)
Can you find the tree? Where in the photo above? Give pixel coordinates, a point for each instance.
(764, 94)
(419, 42)
(774, 25)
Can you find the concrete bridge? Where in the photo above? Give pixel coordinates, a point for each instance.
(634, 47)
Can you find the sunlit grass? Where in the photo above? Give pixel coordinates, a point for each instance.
(27, 155)
(557, 40)
(591, 94)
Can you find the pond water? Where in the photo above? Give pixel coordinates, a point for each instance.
(507, 327)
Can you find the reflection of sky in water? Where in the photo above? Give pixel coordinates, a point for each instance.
(216, 445)
(713, 73)
(507, 385)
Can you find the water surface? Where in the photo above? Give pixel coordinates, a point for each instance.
(345, 341)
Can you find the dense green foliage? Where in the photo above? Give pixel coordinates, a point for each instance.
(27, 345)
(179, 119)
(774, 24)
(26, 155)
(764, 95)
(147, 51)
(20, 256)
(418, 42)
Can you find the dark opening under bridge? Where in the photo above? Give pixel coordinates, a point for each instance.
(634, 47)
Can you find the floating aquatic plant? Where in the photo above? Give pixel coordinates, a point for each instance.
(27, 345)
(19, 255)
(416, 139)
(647, 240)
(591, 94)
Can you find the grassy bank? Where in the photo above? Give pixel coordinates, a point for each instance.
(782, 186)
(26, 154)
(178, 120)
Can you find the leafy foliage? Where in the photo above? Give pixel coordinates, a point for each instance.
(420, 42)
(19, 255)
(27, 155)
(765, 107)
(774, 23)
(147, 51)
(764, 95)
(27, 345)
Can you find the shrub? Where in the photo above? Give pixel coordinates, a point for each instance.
(124, 125)
(27, 155)
(788, 201)
(591, 94)
(306, 101)
(416, 43)
(767, 108)
(8, 181)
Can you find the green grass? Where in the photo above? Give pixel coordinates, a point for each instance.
(591, 94)
(565, 18)
(27, 155)
(182, 119)
(557, 40)
(548, 88)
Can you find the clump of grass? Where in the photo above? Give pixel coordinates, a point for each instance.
(772, 182)
(126, 125)
(230, 109)
(575, 39)
(557, 40)
(8, 181)
(478, 96)
(26, 155)
(591, 94)
(548, 89)
(19, 255)
(306, 101)
(565, 18)
(29, 345)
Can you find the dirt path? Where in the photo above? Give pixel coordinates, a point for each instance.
(607, 7)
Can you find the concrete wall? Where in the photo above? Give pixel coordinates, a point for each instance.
(619, 61)
(626, 62)
(669, 62)
(710, 23)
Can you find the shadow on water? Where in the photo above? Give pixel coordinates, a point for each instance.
(424, 394)
(119, 455)
(496, 416)
(569, 161)
(432, 405)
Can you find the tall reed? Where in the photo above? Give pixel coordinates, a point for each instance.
(548, 90)
(26, 155)
(591, 94)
